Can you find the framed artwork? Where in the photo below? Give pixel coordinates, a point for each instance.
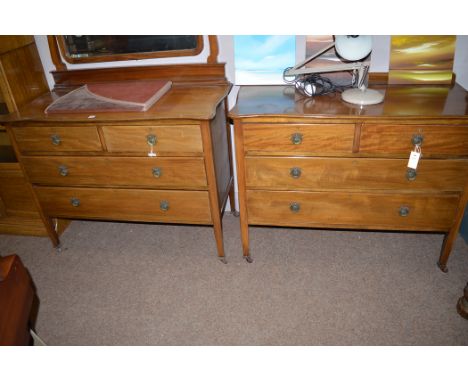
(421, 59)
(261, 59)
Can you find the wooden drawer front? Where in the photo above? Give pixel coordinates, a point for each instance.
(354, 174)
(58, 139)
(352, 210)
(117, 171)
(170, 140)
(305, 139)
(121, 204)
(392, 139)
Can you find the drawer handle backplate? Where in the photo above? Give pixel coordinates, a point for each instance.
(296, 138)
(75, 202)
(404, 211)
(417, 139)
(295, 172)
(151, 139)
(55, 140)
(164, 205)
(63, 170)
(157, 172)
(411, 174)
(295, 207)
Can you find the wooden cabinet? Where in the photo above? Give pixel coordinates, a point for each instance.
(169, 164)
(21, 80)
(147, 171)
(323, 163)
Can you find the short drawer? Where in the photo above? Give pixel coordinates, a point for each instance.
(285, 173)
(352, 210)
(121, 204)
(440, 140)
(151, 172)
(57, 139)
(290, 139)
(162, 140)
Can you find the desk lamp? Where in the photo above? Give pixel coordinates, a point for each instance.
(353, 49)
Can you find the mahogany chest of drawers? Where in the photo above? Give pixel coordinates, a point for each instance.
(170, 164)
(319, 162)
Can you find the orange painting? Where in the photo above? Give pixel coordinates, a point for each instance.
(421, 59)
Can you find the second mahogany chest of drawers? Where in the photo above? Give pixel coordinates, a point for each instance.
(319, 162)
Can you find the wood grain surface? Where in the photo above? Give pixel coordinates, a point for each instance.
(352, 210)
(142, 172)
(191, 207)
(175, 139)
(274, 173)
(72, 138)
(314, 138)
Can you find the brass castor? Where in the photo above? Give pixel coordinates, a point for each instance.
(235, 213)
(462, 306)
(223, 259)
(248, 259)
(442, 267)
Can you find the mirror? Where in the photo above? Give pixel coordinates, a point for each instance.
(88, 48)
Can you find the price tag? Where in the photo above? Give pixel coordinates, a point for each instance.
(151, 153)
(414, 157)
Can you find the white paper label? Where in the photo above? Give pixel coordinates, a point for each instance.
(414, 159)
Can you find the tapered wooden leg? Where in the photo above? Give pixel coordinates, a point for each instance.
(218, 232)
(244, 225)
(215, 205)
(450, 237)
(445, 253)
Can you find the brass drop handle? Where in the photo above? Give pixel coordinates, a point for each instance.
(295, 172)
(417, 139)
(164, 205)
(294, 207)
(296, 138)
(157, 172)
(55, 140)
(75, 202)
(151, 139)
(404, 211)
(411, 174)
(63, 170)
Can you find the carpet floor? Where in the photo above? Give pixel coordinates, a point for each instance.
(143, 284)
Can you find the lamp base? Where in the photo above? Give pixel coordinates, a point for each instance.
(362, 97)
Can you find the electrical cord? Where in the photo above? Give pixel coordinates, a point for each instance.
(314, 84)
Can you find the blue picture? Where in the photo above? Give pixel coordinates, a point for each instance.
(261, 59)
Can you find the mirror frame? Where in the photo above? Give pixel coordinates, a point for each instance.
(127, 56)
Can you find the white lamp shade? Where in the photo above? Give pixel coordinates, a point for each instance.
(353, 48)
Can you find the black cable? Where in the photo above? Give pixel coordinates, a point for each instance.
(314, 84)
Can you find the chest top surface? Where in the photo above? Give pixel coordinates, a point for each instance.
(401, 102)
(181, 102)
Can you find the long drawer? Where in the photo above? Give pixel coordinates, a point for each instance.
(285, 173)
(50, 139)
(291, 139)
(441, 140)
(352, 210)
(179, 172)
(172, 140)
(191, 207)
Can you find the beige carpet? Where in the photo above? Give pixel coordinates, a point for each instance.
(141, 284)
